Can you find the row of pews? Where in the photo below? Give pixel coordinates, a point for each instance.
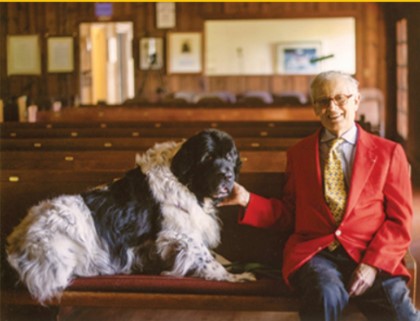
(52, 157)
(40, 160)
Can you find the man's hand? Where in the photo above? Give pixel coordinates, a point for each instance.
(239, 196)
(362, 279)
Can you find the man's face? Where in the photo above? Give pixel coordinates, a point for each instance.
(336, 103)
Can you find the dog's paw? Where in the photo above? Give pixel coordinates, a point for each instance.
(171, 274)
(243, 277)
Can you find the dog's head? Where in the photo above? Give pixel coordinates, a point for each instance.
(208, 163)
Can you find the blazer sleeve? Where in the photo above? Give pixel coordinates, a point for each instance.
(272, 213)
(390, 243)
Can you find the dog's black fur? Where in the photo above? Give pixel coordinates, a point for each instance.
(126, 214)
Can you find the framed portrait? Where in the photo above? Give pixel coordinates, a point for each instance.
(165, 15)
(151, 53)
(23, 55)
(60, 54)
(184, 52)
(298, 58)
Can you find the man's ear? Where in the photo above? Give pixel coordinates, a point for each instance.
(357, 98)
(317, 111)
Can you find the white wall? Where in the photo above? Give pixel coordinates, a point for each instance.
(250, 47)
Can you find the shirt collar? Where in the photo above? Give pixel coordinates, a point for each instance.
(349, 136)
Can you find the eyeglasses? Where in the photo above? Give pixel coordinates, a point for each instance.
(339, 100)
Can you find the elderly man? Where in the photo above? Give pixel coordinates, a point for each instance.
(348, 201)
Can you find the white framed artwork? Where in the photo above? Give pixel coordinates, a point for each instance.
(299, 58)
(165, 15)
(60, 54)
(151, 53)
(23, 55)
(184, 52)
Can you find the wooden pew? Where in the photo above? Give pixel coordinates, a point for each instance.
(43, 175)
(15, 162)
(159, 124)
(130, 143)
(236, 132)
(193, 114)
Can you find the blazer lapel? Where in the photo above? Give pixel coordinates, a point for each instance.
(311, 165)
(364, 161)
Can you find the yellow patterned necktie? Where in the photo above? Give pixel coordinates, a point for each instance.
(334, 185)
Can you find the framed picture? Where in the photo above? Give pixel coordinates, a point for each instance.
(165, 15)
(301, 58)
(184, 52)
(151, 53)
(60, 54)
(23, 55)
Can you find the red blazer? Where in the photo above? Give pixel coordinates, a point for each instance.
(377, 222)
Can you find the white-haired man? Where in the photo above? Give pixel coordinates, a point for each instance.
(348, 201)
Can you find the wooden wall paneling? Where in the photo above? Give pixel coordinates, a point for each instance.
(413, 23)
(149, 18)
(140, 18)
(64, 18)
(188, 17)
(211, 9)
(258, 83)
(359, 48)
(381, 77)
(52, 20)
(22, 21)
(390, 27)
(4, 84)
(370, 45)
(278, 84)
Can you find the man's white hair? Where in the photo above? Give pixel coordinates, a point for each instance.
(331, 75)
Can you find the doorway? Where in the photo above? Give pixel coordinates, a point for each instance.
(106, 63)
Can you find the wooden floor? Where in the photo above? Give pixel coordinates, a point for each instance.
(87, 314)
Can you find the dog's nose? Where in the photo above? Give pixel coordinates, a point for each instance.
(227, 175)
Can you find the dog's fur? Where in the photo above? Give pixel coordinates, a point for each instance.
(159, 218)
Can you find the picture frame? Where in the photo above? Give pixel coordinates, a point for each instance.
(151, 53)
(23, 55)
(184, 53)
(165, 15)
(60, 54)
(298, 58)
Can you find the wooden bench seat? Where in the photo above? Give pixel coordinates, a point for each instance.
(239, 243)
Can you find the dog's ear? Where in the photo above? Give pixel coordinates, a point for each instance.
(238, 164)
(182, 163)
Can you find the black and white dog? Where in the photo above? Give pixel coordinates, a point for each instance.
(160, 218)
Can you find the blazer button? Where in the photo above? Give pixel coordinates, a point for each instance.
(338, 233)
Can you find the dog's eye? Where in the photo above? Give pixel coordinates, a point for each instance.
(208, 158)
(230, 157)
